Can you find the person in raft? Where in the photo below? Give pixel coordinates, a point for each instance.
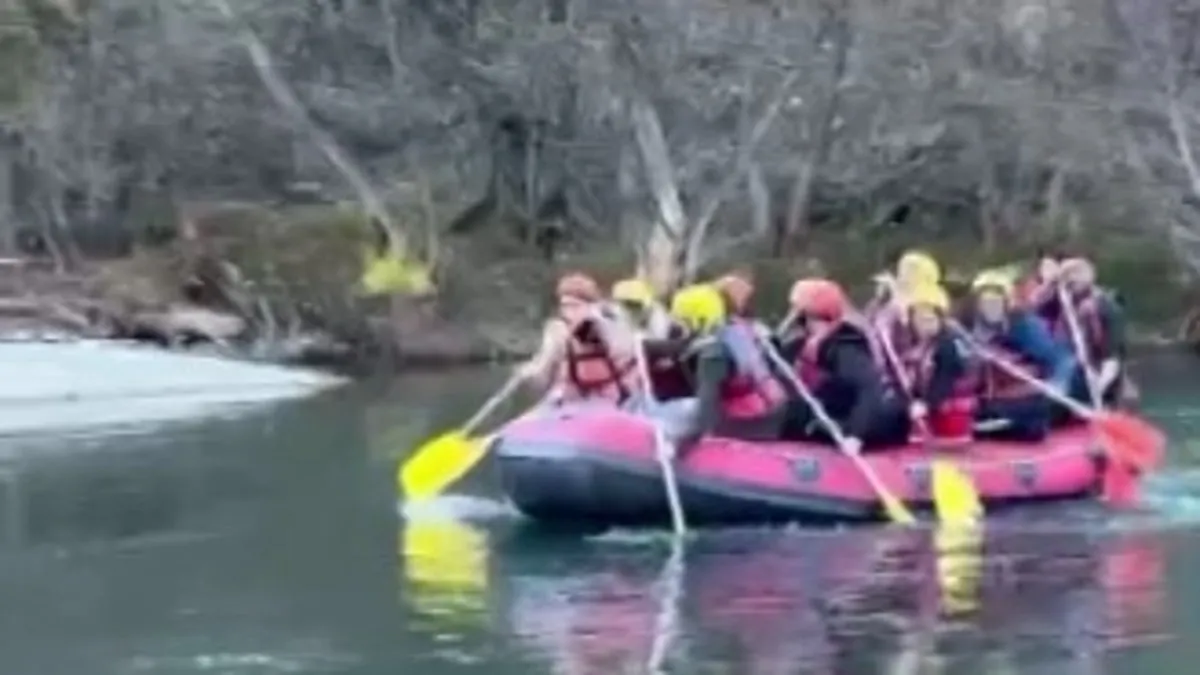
(639, 310)
(887, 312)
(583, 354)
(738, 291)
(1009, 407)
(834, 356)
(941, 392)
(1101, 322)
(1037, 287)
(736, 394)
(656, 333)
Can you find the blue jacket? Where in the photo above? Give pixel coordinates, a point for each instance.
(1027, 335)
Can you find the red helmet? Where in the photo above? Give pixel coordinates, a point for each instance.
(819, 298)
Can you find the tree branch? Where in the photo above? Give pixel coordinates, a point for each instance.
(287, 101)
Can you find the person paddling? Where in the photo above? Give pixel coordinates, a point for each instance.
(639, 309)
(936, 377)
(1010, 408)
(1102, 331)
(582, 356)
(887, 312)
(834, 356)
(736, 395)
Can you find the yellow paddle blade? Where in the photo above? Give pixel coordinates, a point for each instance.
(896, 511)
(959, 550)
(445, 566)
(386, 274)
(438, 463)
(954, 496)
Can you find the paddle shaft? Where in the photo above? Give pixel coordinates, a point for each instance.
(1081, 352)
(670, 484)
(889, 352)
(492, 403)
(835, 432)
(1004, 364)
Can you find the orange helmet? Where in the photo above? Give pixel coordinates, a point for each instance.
(819, 298)
(737, 289)
(578, 285)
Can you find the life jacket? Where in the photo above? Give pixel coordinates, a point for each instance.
(752, 390)
(918, 365)
(807, 364)
(589, 371)
(995, 382)
(1088, 312)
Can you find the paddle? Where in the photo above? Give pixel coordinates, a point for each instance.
(893, 507)
(1127, 439)
(661, 446)
(1120, 484)
(444, 459)
(954, 495)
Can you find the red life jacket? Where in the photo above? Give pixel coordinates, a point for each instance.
(807, 364)
(917, 362)
(995, 382)
(589, 371)
(1091, 324)
(752, 390)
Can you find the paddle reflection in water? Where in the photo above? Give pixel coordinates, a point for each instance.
(848, 602)
(444, 569)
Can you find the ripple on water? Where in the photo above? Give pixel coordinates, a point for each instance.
(457, 507)
(247, 663)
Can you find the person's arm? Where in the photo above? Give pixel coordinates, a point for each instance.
(539, 370)
(853, 365)
(1112, 325)
(712, 367)
(1113, 344)
(948, 366)
(1029, 336)
(789, 344)
(621, 342)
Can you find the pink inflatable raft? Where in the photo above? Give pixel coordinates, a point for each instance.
(598, 466)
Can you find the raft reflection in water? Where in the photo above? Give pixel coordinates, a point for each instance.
(792, 602)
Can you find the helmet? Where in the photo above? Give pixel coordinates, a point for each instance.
(1078, 268)
(699, 307)
(999, 280)
(920, 267)
(737, 289)
(633, 291)
(579, 286)
(930, 295)
(819, 298)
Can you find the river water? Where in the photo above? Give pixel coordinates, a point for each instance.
(269, 540)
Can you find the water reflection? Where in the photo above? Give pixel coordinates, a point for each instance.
(122, 483)
(862, 601)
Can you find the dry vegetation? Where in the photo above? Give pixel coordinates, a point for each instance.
(502, 137)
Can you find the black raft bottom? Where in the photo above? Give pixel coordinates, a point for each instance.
(588, 491)
(558, 487)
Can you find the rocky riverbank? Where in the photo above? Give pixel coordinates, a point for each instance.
(238, 282)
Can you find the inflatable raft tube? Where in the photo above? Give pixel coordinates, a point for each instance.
(597, 466)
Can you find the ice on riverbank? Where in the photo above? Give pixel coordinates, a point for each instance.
(82, 383)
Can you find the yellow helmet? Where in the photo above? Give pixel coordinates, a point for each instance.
(930, 295)
(920, 267)
(699, 307)
(999, 280)
(633, 291)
